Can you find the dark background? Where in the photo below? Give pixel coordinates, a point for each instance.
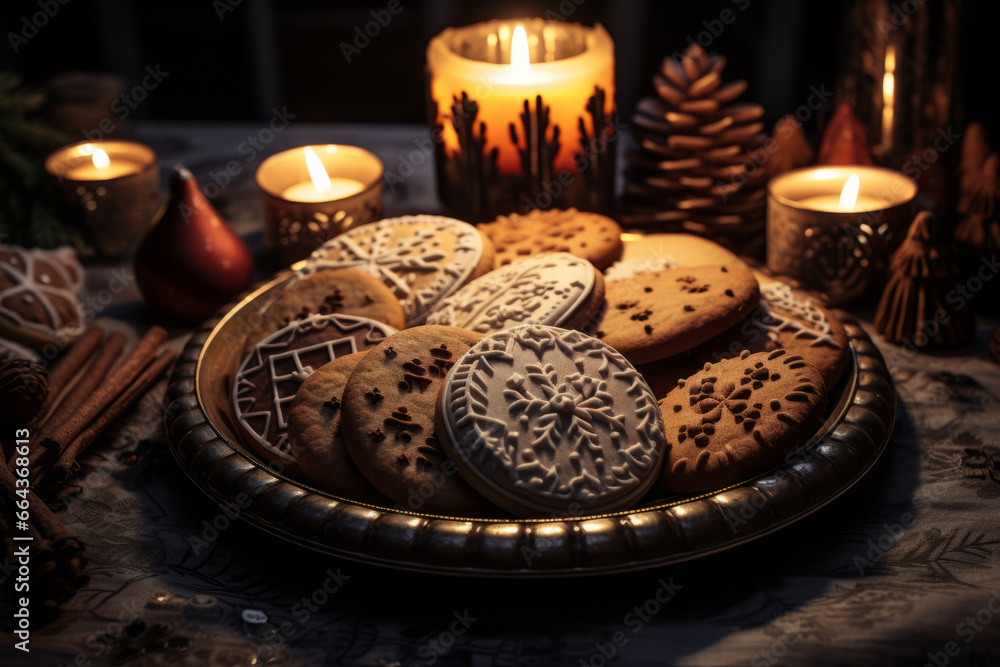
(264, 54)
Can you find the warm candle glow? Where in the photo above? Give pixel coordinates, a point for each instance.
(101, 159)
(888, 96)
(519, 59)
(849, 195)
(317, 172)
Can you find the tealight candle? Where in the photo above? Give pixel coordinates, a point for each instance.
(110, 188)
(521, 113)
(833, 227)
(312, 193)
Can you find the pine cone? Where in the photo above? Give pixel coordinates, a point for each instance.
(915, 309)
(23, 388)
(693, 170)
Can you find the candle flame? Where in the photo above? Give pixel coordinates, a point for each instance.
(317, 172)
(100, 158)
(519, 59)
(849, 195)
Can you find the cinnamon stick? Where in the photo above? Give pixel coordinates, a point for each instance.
(48, 525)
(64, 371)
(56, 440)
(67, 460)
(86, 385)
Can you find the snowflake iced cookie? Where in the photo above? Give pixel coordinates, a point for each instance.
(314, 433)
(656, 315)
(555, 289)
(273, 371)
(592, 236)
(388, 421)
(549, 422)
(421, 258)
(331, 292)
(38, 296)
(738, 418)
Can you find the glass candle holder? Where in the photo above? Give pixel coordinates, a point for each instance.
(110, 189)
(300, 214)
(522, 115)
(834, 247)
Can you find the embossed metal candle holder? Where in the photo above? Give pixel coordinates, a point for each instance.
(838, 251)
(110, 189)
(296, 222)
(519, 132)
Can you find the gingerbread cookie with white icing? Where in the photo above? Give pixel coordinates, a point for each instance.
(421, 258)
(594, 237)
(268, 378)
(738, 418)
(555, 289)
(38, 296)
(655, 315)
(548, 422)
(388, 421)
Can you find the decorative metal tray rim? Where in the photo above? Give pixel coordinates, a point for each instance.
(842, 451)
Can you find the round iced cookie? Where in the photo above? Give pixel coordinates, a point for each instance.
(655, 315)
(268, 378)
(542, 420)
(329, 292)
(555, 289)
(594, 237)
(388, 421)
(738, 418)
(421, 258)
(315, 438)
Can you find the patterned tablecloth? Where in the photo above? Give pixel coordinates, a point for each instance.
(902, 570)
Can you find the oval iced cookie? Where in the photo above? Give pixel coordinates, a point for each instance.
(278, 365)
(421, 258)
(548, 422)
(737, 418)
(554, 289)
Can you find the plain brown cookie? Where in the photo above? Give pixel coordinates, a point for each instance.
(315, 438)
(662, 313)
(786, 319)
(592, 236)
(388, 421)
(329, 292)
(738, 418)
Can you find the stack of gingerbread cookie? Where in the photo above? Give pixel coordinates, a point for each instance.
(536, 365)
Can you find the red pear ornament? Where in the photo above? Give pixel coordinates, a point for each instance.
(192, 262)
(844, 140)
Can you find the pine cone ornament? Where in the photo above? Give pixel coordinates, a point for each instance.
(24, 386)
(915, 310)
(694, 170)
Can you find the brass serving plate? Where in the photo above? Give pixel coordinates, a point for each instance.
(203, 437)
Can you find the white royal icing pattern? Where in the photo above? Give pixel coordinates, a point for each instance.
(20, 269)
(546, 289)
(279, 347)
(410, 255)
(809, 321)
(554, 417)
